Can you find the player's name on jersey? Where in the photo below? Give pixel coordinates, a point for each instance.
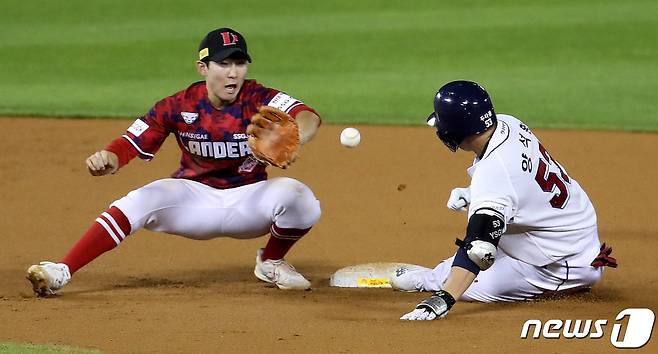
(218, 149)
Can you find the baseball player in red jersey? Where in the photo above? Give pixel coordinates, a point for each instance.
(220, 189)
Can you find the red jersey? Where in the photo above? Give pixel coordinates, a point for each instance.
(213, 142)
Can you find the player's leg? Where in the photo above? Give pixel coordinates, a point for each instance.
(104, 234)
(123, 218)
(506, 280)
(192, 210)
(284, 207)
(511, 280)
(571, 274)
(289, 209)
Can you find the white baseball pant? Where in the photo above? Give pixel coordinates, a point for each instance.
(194, 210)
(510, 279)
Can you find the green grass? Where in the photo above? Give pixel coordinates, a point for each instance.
(560, 64)
(13, 348)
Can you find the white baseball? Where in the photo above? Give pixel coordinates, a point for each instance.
(350, 137)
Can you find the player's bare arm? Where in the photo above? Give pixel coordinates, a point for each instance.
(102, 163)
(477, 252)
(439, 304)
(308, 123)
(458, 281)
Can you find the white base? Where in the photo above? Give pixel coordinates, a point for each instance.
(369, 275)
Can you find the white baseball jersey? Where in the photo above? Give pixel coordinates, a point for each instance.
(549, 216)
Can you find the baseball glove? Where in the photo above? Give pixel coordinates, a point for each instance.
(273, 137)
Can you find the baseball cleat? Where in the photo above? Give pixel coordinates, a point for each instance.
(409, 278)
(48, 277)
(280, 273)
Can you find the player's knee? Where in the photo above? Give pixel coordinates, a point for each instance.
(295, 197)
(313, 212)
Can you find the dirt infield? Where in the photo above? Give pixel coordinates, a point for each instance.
(383, 201)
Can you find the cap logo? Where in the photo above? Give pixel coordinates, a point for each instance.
(229, 38)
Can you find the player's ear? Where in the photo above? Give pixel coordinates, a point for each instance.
(202, 68)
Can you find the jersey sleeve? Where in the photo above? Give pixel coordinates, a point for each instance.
(123, 149)
(147, 134)
(283, 101)
(491, 188)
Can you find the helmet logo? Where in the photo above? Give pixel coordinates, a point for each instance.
(486, 119)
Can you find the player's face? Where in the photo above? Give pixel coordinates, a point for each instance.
(224, 79)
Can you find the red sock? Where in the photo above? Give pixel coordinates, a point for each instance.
(280, 242)
(109, 229)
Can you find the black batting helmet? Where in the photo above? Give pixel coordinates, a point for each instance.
(461, 109)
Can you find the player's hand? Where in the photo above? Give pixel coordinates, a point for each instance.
(102, 163)
(436, 306)
(459, 199)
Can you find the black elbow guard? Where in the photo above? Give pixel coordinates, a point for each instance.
(482, 235)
